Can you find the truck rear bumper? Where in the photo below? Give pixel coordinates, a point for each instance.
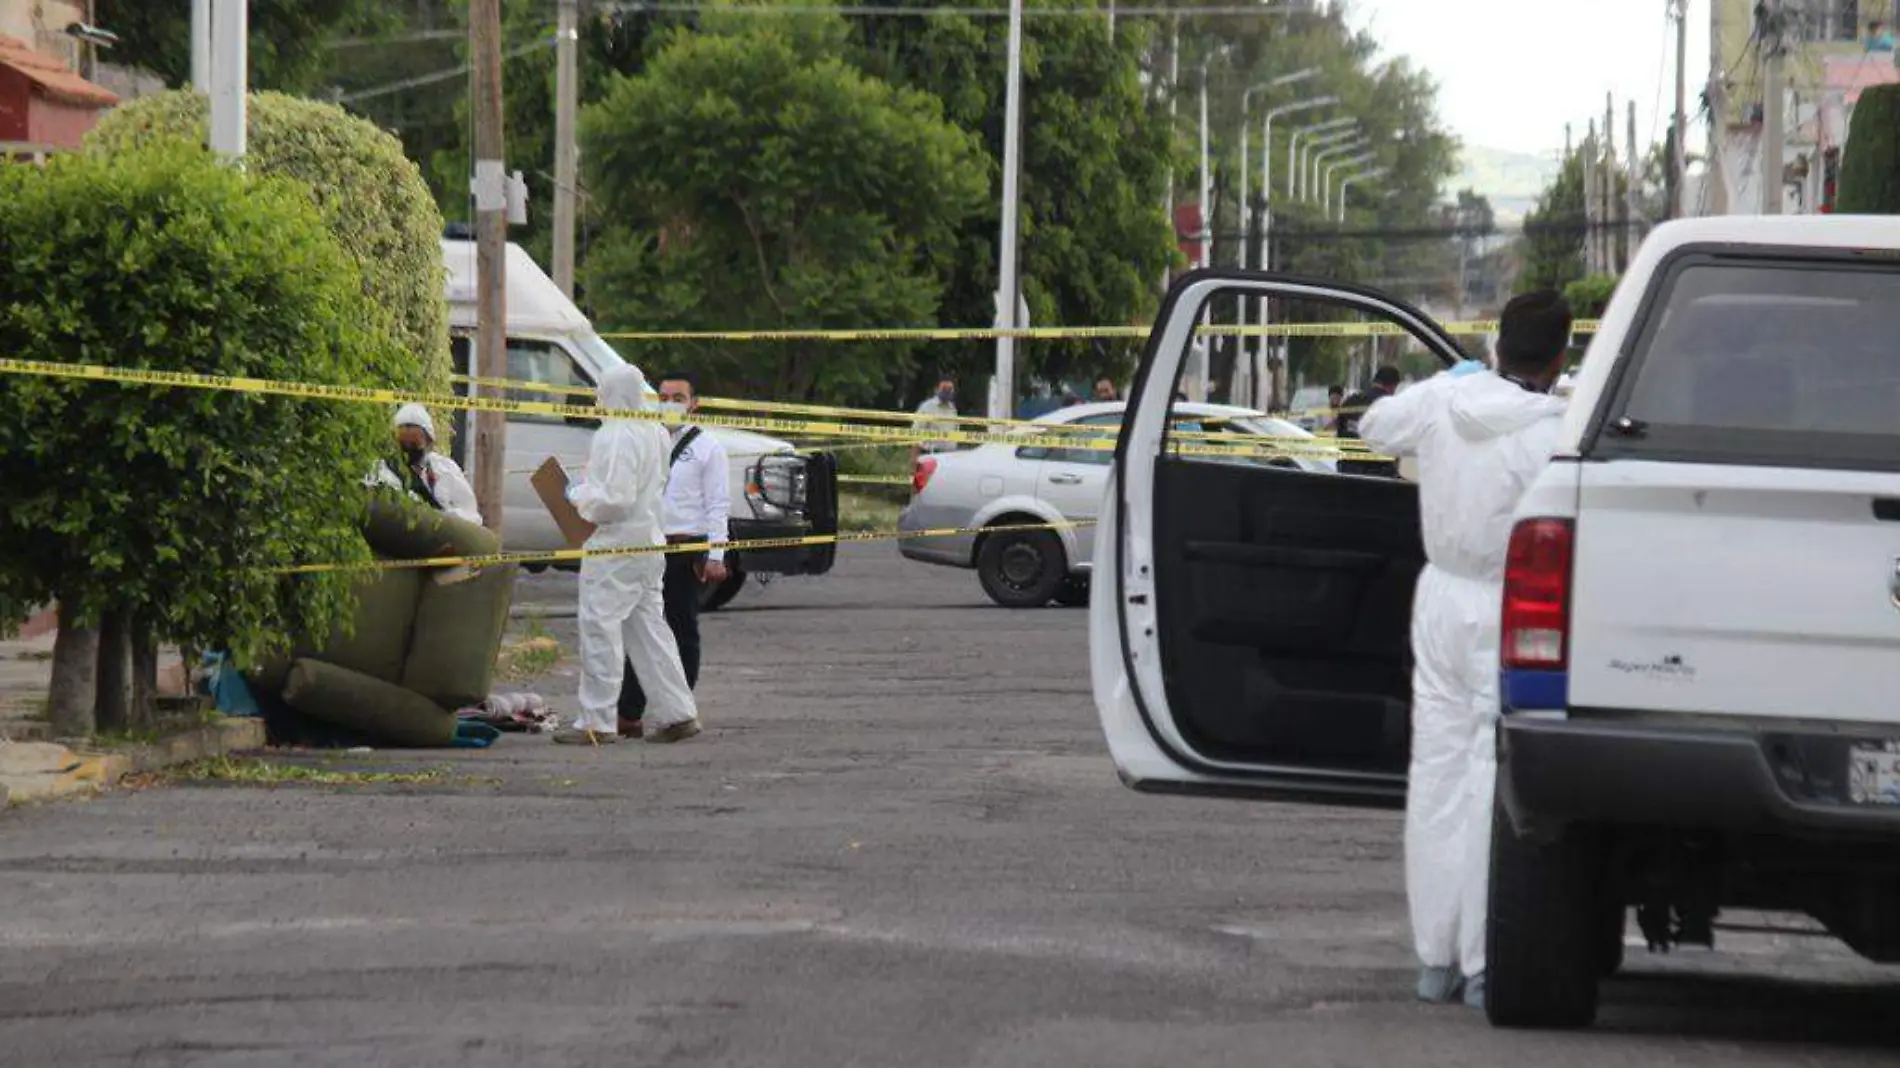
(1630, 769)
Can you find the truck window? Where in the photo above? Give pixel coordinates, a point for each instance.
(1766, 362)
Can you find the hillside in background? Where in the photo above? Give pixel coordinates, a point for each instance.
(1511, 180)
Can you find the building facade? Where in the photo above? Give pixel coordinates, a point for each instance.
(1829, 59)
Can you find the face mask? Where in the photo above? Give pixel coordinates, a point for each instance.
(414, 452)
(672, 408)
(946, 395)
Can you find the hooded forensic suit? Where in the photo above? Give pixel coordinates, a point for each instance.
(621, 612)
(1479, 439)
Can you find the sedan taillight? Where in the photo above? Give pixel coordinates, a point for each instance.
(920, 475)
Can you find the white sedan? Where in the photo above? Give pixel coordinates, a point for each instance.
(1003, 484)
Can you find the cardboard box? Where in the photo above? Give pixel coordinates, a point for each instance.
(550, 484)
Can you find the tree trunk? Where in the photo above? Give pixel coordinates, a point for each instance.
(113, 696)
(144, 707)
(69, 705)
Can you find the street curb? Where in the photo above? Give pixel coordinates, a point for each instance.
(81, 770)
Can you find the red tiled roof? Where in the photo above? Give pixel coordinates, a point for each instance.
(52, 76)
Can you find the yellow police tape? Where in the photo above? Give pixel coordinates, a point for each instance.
(885, 415)
(365, 394)
(562, 556)
(1062, 333)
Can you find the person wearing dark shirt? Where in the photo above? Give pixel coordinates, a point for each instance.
(1384, 384)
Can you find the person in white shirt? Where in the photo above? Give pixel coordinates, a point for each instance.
(431, 477)
(698, 504)
(621, 617)
(943, 406)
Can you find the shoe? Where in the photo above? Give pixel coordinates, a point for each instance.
(678, 732)
(577, 736)
(630, 728)
(1439, 986)
(1474, 991)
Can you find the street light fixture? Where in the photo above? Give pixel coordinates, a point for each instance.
(1303, 185)
(1320, 157)
(1326, 183)
(1295, 151)
(1247, 210)
(1246, 102)
(1266, 216)
(1354, 179)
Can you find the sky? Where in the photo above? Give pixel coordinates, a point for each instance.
(1510, 78)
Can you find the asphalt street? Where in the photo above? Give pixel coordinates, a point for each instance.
(899, 842)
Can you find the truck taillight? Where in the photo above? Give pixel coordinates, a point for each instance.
(1536, 624)
(920, 475)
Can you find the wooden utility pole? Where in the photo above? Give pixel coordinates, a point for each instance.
(1632, 196)
(1678, 154)
(566, 153)
(1774, 130)
(1715, 172)
(1609, 183)
(491, 253)
(1590, 200)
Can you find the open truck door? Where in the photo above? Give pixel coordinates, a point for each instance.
(1250, 629)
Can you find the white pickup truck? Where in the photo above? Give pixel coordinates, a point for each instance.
(1700, 623)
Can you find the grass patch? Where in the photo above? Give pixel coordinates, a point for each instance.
(534, 655)
(253, 771)
(860, 512)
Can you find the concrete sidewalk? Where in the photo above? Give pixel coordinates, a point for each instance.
(34, 766)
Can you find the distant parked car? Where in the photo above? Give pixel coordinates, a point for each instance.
(1311, 407)
(1003, 484)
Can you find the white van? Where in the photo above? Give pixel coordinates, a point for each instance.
(776, 493)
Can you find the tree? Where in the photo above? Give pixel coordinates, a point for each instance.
(173, 509)
(1553, 232)
(1096, 151)
(288, 38)
(1870, 173)
(1588, 296)
(756, 182)
(371, 197)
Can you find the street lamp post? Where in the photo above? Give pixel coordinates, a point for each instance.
(1250, 366)
(1303, 139)
(1303, 188)
(1320, 157)
(1326, 183)
(1354, 179)
(1266, 133)
(1267, 385)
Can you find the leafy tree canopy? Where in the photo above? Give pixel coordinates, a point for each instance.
(288, 38)
(756, 180)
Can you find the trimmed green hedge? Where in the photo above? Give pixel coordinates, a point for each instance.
(1870, 173)
(371, 196)
(175, 506)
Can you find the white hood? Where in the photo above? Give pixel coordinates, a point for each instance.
(622, 389)
(1485, 406)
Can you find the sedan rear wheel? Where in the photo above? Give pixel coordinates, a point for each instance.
(1022, 569)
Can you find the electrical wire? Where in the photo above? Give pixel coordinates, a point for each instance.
(894, 11)
(436, 76)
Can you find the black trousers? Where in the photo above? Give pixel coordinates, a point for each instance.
(680, 592)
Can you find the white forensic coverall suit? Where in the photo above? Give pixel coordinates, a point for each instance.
(621, 611)
(1479, 440)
